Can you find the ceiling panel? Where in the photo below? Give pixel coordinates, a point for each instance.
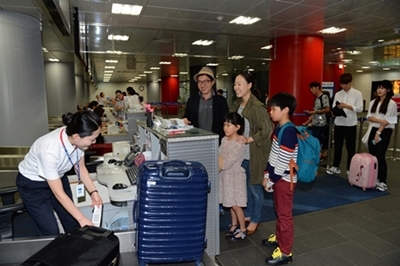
(165, 27)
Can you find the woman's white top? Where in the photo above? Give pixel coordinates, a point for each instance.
(47, 158)
(133, 102)
(390, 116)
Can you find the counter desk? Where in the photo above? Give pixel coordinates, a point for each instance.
(192, 145)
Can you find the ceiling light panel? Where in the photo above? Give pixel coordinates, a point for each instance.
(118, 37)
(133, 10)
(331, 30)
(111, 61)
(203, 42)
(244, 20)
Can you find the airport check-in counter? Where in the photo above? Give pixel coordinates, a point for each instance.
(193, 145)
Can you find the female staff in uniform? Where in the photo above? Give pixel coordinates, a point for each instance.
(41, 179)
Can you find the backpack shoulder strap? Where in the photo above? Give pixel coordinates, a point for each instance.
(288, 124)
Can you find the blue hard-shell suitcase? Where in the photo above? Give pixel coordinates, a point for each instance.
(171, 212)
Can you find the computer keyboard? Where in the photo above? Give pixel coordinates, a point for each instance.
(132, 173)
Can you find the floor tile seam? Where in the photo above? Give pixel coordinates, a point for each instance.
(385, 242)
(237, 262)
(322, 249)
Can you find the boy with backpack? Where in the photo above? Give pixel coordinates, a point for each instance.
(320, 116)
(280, 178)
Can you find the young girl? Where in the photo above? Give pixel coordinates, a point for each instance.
(232, 177)
(382, 114)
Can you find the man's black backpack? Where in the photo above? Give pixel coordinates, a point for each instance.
(327, 115)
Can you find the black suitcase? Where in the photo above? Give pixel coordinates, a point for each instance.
(171, 212)
(86, 246)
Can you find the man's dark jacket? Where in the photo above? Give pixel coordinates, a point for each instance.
(220, 110)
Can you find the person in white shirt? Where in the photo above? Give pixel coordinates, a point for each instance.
(382, 114)
(351, 102)
(120, 104)
(133, 99)
(41, 179)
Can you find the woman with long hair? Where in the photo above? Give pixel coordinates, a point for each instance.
(257, 137)
(42, 181)
(382, 114)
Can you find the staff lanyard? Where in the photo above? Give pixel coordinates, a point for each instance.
(76, 165)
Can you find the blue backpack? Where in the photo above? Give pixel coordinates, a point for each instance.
(308, 153)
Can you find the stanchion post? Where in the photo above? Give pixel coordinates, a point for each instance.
(360, 133)
(396, 132)
(328, 157)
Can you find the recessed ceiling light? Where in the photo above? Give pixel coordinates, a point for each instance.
(373, 62)
(110, 67)
(111, 61)
(107, 75)
(381, 40)
(365, 67)
(118, 37)
(386, 68)
(142, 75)
(347, 60)
(354, 52)
(174, 76)
(267, 47)
(114, 52)
(244, 20)
(203, 42)
(359, 71)
(165, 63)
(54, 60)
(236, 57)
(183, 73)
(154, 68)
(108, 71)
(251, 69)
(224, 74)
(179, 54)
(212, 64)
(147, 72)
(331, 30)
(133, 10)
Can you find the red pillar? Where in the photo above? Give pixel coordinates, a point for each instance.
(296, 61)
(169, 93)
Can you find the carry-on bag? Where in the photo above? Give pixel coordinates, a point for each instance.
(363, 170)
(171, 212)
(89, 246)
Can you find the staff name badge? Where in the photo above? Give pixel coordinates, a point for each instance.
(80, 193)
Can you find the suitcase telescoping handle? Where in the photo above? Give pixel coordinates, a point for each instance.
(175, 170)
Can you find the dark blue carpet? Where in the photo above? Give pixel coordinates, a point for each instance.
(323, 193)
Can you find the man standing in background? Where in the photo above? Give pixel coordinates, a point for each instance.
(351, 102)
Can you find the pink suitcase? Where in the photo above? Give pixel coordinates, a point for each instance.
(363, 170)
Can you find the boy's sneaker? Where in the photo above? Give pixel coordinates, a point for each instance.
(381, 186)
(270, 241)
(333, 170)
(278, 258)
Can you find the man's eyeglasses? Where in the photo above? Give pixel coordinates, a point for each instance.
(203, 82)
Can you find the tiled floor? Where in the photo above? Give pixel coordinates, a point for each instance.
(363, 233)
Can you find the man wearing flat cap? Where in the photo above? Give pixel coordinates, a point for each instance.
(206, 110)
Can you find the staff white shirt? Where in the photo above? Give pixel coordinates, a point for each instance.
(47, 158)
(354, 98)
(390, 116)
